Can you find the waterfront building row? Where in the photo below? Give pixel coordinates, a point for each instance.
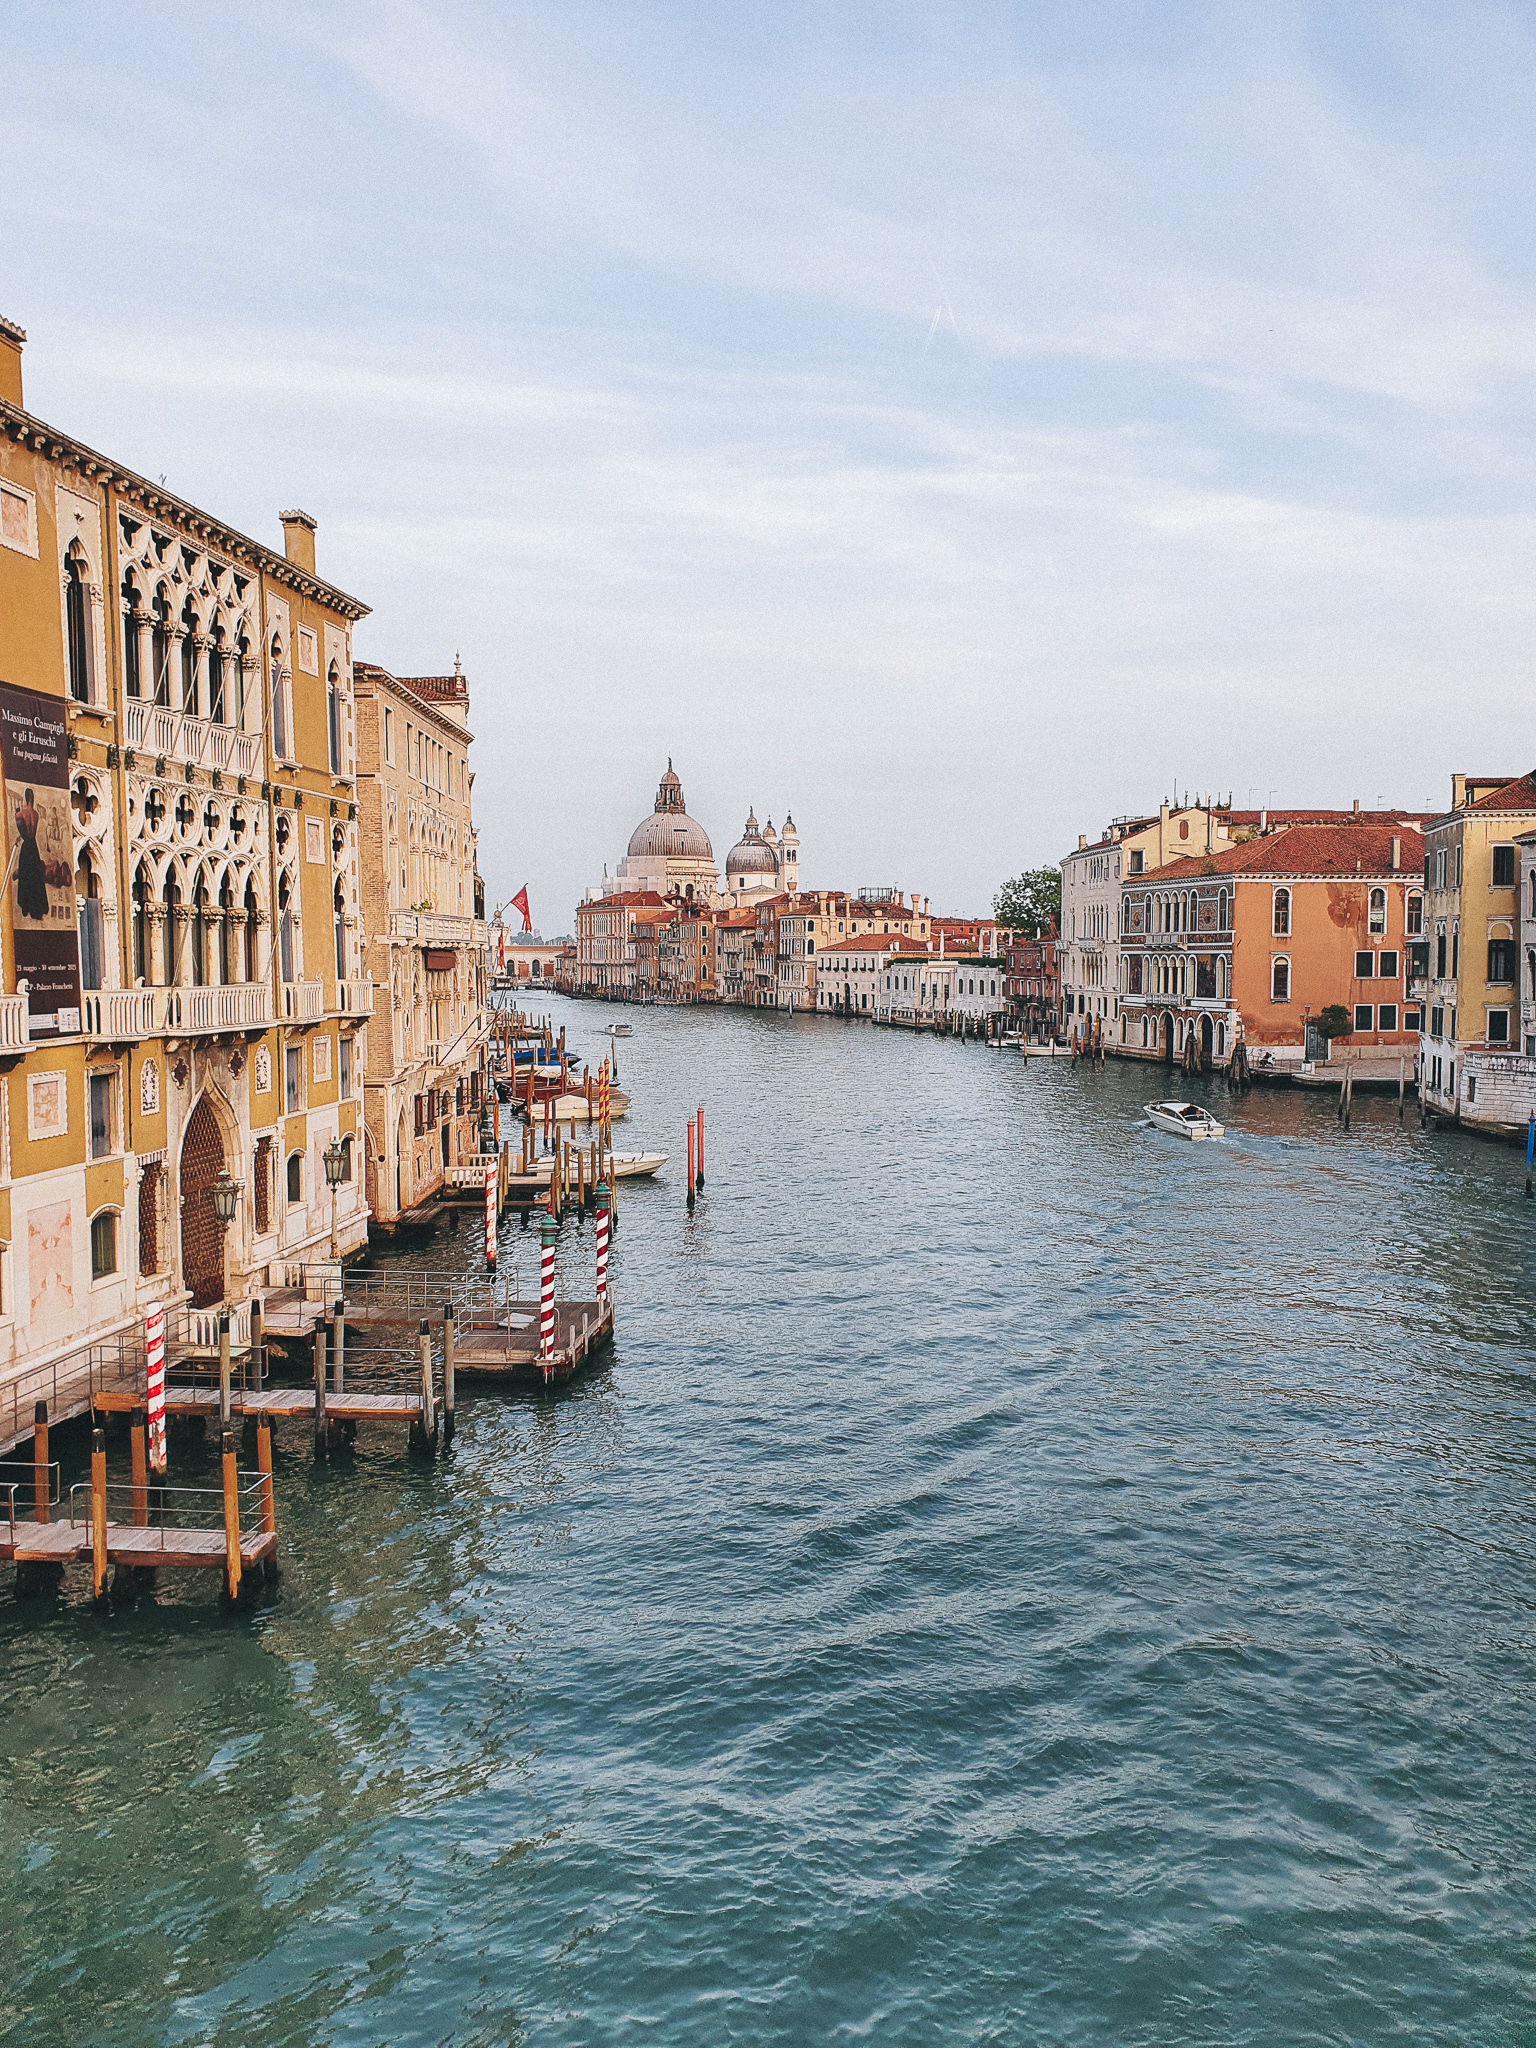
(1223, 927)
(239, 901)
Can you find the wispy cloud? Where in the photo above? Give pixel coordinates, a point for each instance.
(958, 422)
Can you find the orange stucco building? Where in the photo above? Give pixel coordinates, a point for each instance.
(1256, 942)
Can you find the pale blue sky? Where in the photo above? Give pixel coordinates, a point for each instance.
(960, 423)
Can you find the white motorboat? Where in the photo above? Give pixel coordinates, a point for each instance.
(636, 1165)
(1184, 1119)
(621, 1030)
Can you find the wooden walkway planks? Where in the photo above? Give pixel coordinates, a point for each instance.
(278, 1402)
(127, 1543)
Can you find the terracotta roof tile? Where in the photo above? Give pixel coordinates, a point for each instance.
(1304, 850)
(1519, 795)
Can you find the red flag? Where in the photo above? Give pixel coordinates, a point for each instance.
(520, 902)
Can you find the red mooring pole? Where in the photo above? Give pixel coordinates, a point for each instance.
(699, 1182)
(690, 1162)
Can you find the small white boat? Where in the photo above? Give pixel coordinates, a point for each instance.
(636, 1165)
(1184, 1119)
(621, 1030)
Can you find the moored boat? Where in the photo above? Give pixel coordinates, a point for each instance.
(1184, 1119)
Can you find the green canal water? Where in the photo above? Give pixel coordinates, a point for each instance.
(1018, 1578)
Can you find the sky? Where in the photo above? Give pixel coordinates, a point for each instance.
(958, 425)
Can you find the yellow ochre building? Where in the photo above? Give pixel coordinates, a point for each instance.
(184, 990)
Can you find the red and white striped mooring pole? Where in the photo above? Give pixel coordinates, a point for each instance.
(602, 1242)
(547, 1231)
(490, 1212)
(154, 1359)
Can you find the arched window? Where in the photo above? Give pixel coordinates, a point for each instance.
(228, 911)
(339, 905)
(1281, 924)
(279, 707)
(1280, 979)
(142, 964)
(160, 647)
(216, 707)
(103, 1244)
(295, 1178)
(189, 629)
(346, 1160)
(88, 896)
(200, 930)
(77, 619)
(333, 716)
(1413, 915)
(284, 928)
(131, 678)
(170, 899)
(1378, 917)
(1223, 911)
(248, 934)
(239, 665)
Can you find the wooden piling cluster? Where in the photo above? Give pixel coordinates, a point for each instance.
(230, 1528)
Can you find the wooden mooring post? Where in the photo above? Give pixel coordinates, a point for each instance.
(138, 1434)
(321, 1438)
(231, 1515)
(40, 1488)
(447, 1372)
(98, 1513)
(224, 1369)
(424, 1432)
(339, 1347)
(264, 1466)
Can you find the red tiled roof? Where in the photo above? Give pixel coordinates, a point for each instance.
(1517, 795)
(872, 942)
(1304, 850)
(438, 689)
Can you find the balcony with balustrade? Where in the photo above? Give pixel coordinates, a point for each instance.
(120, 1015)
(434, 928)
(159, 729)
(303, 1002)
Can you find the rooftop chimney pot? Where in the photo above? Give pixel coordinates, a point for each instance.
(11, 340)
(299, 539)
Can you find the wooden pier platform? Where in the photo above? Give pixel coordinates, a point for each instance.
(507, 1346)
(129, 1544)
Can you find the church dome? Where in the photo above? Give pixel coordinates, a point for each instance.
(669, 830)
(750, 855)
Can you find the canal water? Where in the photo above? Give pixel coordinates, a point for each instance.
(1019, 1578)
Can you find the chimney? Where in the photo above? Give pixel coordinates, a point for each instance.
(1082, 842)
(1263, 823)
(1397, 853)
(299, 539)
(1357, 807)
(11, 339)
(1458, 791)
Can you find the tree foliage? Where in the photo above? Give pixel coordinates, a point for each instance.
(1031, 902)
(1334, 1022)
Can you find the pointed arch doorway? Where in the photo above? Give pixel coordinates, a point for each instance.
(202, 1234)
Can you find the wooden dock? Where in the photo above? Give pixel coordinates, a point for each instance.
(143, 1548)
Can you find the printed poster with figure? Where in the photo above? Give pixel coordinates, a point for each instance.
(34, 758)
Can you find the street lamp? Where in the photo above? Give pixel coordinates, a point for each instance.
(226, 1194)
(335, 1164)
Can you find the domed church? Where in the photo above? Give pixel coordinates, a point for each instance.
(669, 851)
(763, 863)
